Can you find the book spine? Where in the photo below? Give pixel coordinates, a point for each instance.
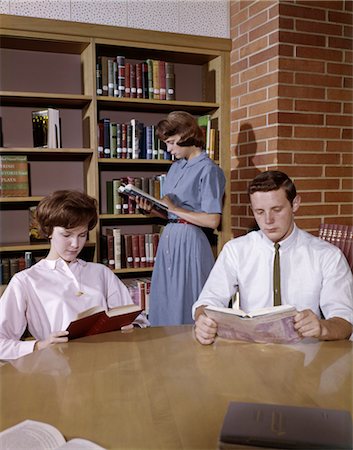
(133, 92)
(127, 79)
(121, 75)
(99, 86)
(142, 250)
(139, 87)
(40, 128)
(104, 60)
(110, 77)
(156, 84)
(116, 197)
(144, 80)
(170, 81)
(128, 250)
(117, 248)
(135, 251)
(150, 78)
(113, 140)
(162, 81)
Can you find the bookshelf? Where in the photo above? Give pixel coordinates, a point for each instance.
(60, 59)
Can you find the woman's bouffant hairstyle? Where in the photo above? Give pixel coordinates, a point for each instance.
(272, 180)
(183, 124)
(67, 209)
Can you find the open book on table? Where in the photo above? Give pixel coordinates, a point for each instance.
(274, 324)
(96, 320)
(40, 436)
(130, 189)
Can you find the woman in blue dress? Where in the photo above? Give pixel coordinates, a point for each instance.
(193, 191)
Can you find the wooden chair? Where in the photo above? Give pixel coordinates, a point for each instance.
(341, 236)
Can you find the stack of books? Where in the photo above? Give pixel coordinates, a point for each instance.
(14, 180)
(46, 128)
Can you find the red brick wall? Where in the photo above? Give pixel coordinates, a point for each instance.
(291, 107)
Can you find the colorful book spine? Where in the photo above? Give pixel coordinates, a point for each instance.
(14, 180)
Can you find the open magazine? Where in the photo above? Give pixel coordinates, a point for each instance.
(130, 189)
(274, 324)
(31, 434)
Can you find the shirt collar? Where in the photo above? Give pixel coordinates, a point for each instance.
(287, 242)
(197, 158)
(53, 264)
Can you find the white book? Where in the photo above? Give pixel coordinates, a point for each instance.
(40, 436)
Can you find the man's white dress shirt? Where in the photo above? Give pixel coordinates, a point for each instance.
(49, 295)
(314, 275)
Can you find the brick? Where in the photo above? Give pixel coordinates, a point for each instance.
(286, 23)
(248, 223)
(262, 82)
(339, 171)
(340, 69)
(312, 26)
(297, 145)
(339, 94)
(344, 17)
(319, 184)
(268, 159)
(254, 72)
(296, 118)
(308, 224)
(318, 210)
(339, 120)
(301, 65)
(348, 83)
(285, 104)
(285, 50)
(348, 31)
(301, 92)
(257, 7)
(336, 42)
(302, 171)
(238, 210)
(332, 107)
(347, 134)
(318, 80)
(284, 131)
(316, 158)
(347, 159)
(239, 114)
(346, 209)
(253, 22)
(241, 40)
(317, 132)
(290, 10)
(264, 29)
(253, 47)
(339, 146)
(319, 53)
(339, 197)
(311, 40)
(263, 108)
(253, 97)
(310, 197)
(328, 4)
(262, 56)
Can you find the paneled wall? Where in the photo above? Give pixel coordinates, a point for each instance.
(200, 17)
(292, 104)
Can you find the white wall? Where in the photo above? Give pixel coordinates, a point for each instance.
(198, 17)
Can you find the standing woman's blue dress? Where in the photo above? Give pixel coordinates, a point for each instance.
(184, 256)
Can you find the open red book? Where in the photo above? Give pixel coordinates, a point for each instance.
(96, 320)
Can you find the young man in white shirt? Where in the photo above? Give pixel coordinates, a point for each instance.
(315, 276)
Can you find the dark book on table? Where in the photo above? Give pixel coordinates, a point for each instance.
(96, 320)
(256, 425)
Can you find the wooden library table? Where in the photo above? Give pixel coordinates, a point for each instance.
(158, 388)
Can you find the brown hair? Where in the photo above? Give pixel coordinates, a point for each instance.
(67, 209)
(272, 180)
(183, 124)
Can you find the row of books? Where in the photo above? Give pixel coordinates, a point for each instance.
(14, 179)
(46, 127)
(10, 266)
(150, 79)
(339, 235)
(128, 250)
(139, 290)
(210, 129)
(118, 203)
(131, 140)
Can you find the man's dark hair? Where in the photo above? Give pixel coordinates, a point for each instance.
(272, 180)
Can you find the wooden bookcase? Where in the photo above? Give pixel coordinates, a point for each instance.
(48, 63)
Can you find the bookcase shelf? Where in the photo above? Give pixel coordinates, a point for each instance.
(63, 59)
(40, 99)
